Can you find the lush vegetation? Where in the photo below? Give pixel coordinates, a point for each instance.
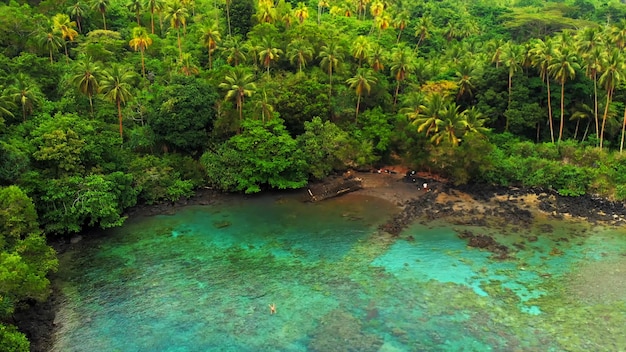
(105, 104)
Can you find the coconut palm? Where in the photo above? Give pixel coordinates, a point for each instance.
(266, 12)
(269, 53)
(475, 121)
(614, 71)
(85, 76)
(542, 54)
(234, 49)
(512, 55)
(301, 12)
(582, 112)
(187, 65)
(263, 105)
(617, 34)
(428, 119)
(400, 22)
(300, 51)
(25, 93)
(6, 102)
(402, 64)
(77, 11)
(422, 30)
(465, 72)
(321, 4)
(51, 41)
(135, 6)
(361, 48)
(210, 38)
(101, 6)
(153, 6)
(377, 58)
(590, 42)
(63, 25)
(361, 82)
(141, 40)
(238, 85)
(562, 69)
(177, 14)
(382, 22)
(116, 86)
(451, 125)
(331, 56)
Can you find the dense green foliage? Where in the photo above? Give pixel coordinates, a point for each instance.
(106, 104)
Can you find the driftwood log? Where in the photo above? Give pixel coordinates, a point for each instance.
(333, 188)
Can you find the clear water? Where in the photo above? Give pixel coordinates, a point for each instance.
(203, 280)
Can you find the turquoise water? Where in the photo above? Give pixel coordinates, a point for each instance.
(203, 280)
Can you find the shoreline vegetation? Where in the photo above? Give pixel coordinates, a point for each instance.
(481, 205)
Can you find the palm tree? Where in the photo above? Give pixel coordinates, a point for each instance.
(377, 8)
(177, 15)
(234, 48)
(402, 64)
(6, 102)
(475, 121)
(239, 85)
(496, 46)
(266, 12)
(618, 34)
(331, 55)
(115, 87)
(25, 93)
(362, 81)
(267, 110)
(542, 54)
(451, 125)
(85, 76)
(301, 12)
(428, 119)
(187, 65)
(361, 48)
(582, 112)
(465, 71)
(591, 48)
(614, 71)
(511, 56)
(50, 40)
(210, 38)
(141, 40)
(377, 58)
(270, 53)
(422, 30)
(101, 6)
(154, 6)
(135, 6)
(320, 5)
(563, 68)
(77, 11)
(228, 3)
(300, 51)
(400, 22)
(62, 24)
(382, 22)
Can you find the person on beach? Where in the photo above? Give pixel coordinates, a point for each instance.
(272, 308)
(425, 187)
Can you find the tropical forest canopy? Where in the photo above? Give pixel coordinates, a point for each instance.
(105, 104)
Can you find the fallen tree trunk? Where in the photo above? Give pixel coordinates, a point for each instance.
(333, 188)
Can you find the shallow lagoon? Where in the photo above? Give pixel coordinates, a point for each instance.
(202, 280)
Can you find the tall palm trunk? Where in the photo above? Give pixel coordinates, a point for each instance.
(562, 110)
(180, 49)
(152, 20)
(595, 100)
(395, 97)
(67, 56)
(119, 116)
(621, 145)
(90, 103)
(606, 113)
(104, 21)
(228, 18)
(358, 103)
(550, 110)
(508, 105)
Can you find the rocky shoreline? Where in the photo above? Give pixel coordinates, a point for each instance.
(464, 205)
